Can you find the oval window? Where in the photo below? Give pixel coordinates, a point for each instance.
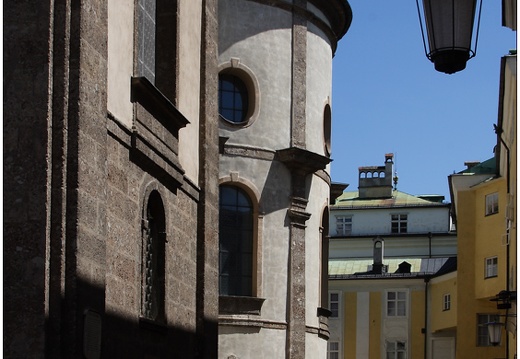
(233, 101)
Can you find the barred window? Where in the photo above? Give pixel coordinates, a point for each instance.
(153, 267)
(146, 11)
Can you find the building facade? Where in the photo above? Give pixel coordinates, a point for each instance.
(391, 254)
(275, 77)
(133, 131)
(484, 200)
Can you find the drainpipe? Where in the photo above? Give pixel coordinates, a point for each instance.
(499, 131)
(426, 322)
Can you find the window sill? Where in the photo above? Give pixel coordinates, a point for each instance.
(152, 325)
(145, 93)
(240, 305)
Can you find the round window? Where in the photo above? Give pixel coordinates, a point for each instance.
(233, 101)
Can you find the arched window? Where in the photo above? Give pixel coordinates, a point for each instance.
(233, 100)
(381, 175)
(153, 262)
(235, 242)
(362, 175)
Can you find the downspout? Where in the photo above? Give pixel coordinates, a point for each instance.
(499, 131)
(426, 321)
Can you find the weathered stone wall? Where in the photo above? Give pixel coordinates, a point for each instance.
(26, 119)
(76, 180)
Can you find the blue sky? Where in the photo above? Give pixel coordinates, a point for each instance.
(388, 98)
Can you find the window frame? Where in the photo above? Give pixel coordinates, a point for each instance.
(398, 223)
(336, 302)
(247, 289)
(482, 339)
(331, 351)
(491, 203)
(153, 263)
(491, 267)
(344, 225)
(446, 302)
(396, 301)
(393, 353)
(238, 88)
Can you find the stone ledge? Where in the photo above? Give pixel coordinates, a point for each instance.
(240, 305)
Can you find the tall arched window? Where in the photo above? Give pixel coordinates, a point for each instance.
(153, 267)
(235, 242)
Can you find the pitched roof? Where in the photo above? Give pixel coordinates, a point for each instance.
(351, 200)
(360, 268)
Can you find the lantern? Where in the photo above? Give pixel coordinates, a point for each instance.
(450, 29)
(495, 332)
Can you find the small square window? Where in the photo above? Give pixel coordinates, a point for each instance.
(344, 226)
(446, 302)
(399, 223)
(396, 304)
(491, 267)
(491, 203)
(396, 349)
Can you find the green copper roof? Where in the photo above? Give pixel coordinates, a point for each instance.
(486, 167)
(398, 199)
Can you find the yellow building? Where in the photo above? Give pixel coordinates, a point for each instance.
(484, 203)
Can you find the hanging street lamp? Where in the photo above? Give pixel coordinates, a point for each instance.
(495, 332)
(450, 26)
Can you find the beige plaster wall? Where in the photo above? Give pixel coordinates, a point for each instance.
(120, 59)
(189, 84)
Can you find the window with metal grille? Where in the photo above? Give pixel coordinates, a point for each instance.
(399, 223)
(157, 44)
(153, 266)
(396, 349)
(146, 11)
(235, 242)
(396, 304)
(344, 225)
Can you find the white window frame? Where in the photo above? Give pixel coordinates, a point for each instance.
(491, 203)
(401, 219)
(333, 353)
(344, 225)
(446, 302)
(397, 293)
(392, 349)
(337, 302)
(491, 267)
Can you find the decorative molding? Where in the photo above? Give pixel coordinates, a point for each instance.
(247, 321)
(248, 151)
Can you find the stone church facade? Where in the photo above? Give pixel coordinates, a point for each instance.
(119, 171)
